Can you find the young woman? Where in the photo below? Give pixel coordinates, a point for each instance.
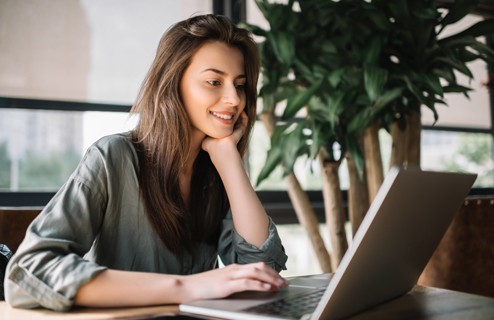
(145, 215)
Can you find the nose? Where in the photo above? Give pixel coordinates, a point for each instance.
(231, 95)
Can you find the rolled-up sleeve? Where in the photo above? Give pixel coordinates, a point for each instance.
(49, 268)
(235, 249)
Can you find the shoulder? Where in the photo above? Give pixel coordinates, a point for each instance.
(119, 142)
(115, 147)
(114, 152)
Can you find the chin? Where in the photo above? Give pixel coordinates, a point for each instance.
(220, 135)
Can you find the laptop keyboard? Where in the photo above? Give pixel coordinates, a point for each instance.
(292, 307)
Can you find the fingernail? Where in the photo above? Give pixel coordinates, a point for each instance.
(266, 285)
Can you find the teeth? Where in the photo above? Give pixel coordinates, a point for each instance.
(222, 116)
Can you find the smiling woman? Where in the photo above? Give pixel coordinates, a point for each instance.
(146, 214)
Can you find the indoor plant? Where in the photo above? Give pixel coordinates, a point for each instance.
(353, 67)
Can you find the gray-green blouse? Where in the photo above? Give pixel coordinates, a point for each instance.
(97, 221)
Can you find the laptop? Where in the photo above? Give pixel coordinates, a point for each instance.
(404, 224)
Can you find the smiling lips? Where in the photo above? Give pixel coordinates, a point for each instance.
(222, 115)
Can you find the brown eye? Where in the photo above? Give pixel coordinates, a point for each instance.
(214, 83)
(240, 86)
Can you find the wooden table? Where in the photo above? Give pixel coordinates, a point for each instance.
(433, 304)
(9, 313)
(421, 303)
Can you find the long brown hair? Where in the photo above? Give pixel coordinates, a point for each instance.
(162, 136)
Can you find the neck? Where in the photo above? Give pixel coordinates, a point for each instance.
(185, 176)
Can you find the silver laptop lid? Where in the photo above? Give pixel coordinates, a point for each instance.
(397, 237)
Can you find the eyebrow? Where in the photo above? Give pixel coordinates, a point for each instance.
(223, 73)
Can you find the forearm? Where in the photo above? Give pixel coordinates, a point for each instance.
(114, 288)
(249, 217)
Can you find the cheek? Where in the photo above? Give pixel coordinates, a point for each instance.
(189, 93)
(198, 97)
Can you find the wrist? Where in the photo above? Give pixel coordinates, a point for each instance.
(182, 288)
(223, 161)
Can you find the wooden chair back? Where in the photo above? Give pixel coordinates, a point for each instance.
(14, 222)
(464, 260)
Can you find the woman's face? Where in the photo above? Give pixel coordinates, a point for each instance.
(212, 89)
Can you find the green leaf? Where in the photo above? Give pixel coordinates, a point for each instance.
(374, 80)
(466, 55)
(415, 91)
(426, 13)
(455, 63)
(435, 114)
(336, 106)
(275, 153)
(458, 42)
(318, 109)
(481, 28)
(335, 76)
(432, 82)
(458, 10)
(299, 100)
(283, 46)
(459, 89)
(268, 102)
(319, 71)
(445, 73)
(273, 159)
(353, 148)
(483, 49)
(293, 142)
(317, 140)
(360, 121)
(304, 69)
(372, 51)
(264, 7)
(278, 133)
(284, 91)
(386, 98)
(329, 47)
(257, 30)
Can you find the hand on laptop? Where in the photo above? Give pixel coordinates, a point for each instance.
(220, 283)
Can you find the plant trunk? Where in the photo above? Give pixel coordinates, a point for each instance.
(373, 161)
(303, 209)
(358, 198)
(415, 129)
(399, 143)
(308, 220)
(334, 211)
(405, 136)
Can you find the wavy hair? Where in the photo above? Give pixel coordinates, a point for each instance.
(162, 135)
